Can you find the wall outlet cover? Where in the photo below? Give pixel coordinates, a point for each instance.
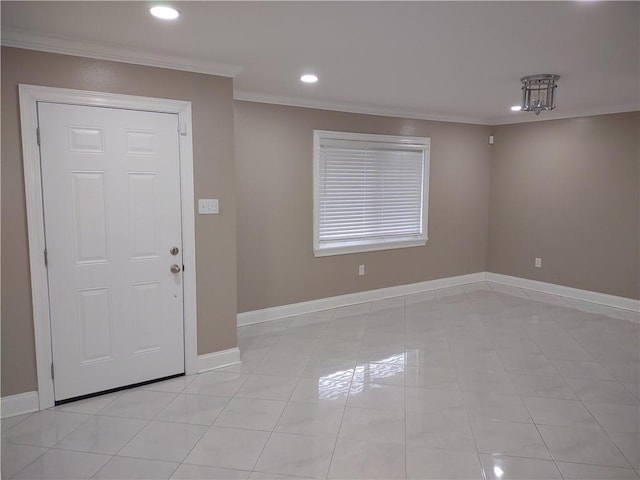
(208, 206)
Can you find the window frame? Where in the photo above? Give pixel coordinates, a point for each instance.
(378, 244)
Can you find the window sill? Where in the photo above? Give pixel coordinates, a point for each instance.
(367, 247)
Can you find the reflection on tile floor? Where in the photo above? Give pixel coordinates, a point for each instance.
(474, 382)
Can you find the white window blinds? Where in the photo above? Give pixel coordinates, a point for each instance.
(370, 192)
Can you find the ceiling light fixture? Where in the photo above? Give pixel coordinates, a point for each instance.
(165, 13)
(309, 78)
(539, 92)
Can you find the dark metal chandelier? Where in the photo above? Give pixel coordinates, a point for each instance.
(539, 92)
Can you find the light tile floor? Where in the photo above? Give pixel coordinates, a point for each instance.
(473, 382)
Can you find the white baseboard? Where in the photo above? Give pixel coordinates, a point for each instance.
(224, 358)
(274, 313)
(567, 292)
(284, 311)
(12, 405)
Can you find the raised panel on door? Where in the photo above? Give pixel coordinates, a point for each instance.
(144, 223)
(90, 226)
(111, 190)
(95, 324)
(145, 299)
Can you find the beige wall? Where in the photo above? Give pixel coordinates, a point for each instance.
(564, 190)
(568, 191)
(274, 156)
(212, 105)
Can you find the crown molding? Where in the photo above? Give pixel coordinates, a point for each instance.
(527, 117)
(248, 96)
(520, 117)
(24, 39)
(18, 38)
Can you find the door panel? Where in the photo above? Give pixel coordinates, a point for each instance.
(94, 319)
(111, 191)
(88, 204)
(146, 300)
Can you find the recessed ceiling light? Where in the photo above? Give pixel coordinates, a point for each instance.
(309, 78)
(516, 108)
(165, 13)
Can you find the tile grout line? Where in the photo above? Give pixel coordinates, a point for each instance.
(568, 385)
(346, 403)
(404, 324)
(179, 464)
(286, 403)
(344, 409)
(40, 446)
(466, 412)
(27, 465)
(608, 436)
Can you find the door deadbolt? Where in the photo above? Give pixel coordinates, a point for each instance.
(175, 268)
(174, 251)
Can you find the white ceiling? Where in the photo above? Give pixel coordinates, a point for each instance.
(442, 60)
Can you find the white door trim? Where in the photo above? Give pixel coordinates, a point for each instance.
(29, 95)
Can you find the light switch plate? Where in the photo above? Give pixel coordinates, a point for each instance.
(208, 206)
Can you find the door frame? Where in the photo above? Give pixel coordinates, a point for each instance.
(29, 96)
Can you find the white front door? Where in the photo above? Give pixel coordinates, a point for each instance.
(111, 194)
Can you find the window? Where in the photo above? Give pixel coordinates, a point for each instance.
(370, 192)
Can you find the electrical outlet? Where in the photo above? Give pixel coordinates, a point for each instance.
(538, 263)
(361, 270)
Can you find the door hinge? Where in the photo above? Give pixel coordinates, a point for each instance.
(52, 374)
(183, 128)
(46, 258)
(38, 135)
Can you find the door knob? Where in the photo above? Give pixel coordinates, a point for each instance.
(175, 268)
(174, 251)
